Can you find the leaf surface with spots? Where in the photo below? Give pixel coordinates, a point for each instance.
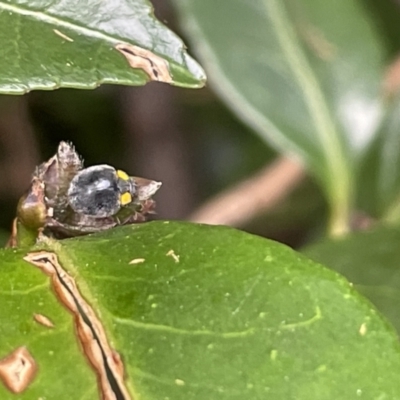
(197, 312)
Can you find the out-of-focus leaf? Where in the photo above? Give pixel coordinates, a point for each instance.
(305, 75)
(386, 15)
(47, 45)
(379, 182)
(371, 260)
(198, 312)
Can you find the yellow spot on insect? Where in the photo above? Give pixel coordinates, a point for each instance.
(122, 175)
(125, 198)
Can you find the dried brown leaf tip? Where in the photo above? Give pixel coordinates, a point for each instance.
(105, 361)
(154, 66)
(17, 370)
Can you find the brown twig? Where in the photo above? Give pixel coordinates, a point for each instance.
(156, 145)
(255, 195)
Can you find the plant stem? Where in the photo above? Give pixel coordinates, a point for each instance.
(337, 174)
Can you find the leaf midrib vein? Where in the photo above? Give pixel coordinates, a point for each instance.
(53, 20)
(315, 100)
(302, 71)
(165, 328)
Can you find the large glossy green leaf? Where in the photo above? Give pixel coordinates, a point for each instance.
(46, 45)
(304, 74)
(371, 260)
(200, 312)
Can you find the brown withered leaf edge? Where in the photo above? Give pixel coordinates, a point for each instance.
(105, 361)
(154, 66)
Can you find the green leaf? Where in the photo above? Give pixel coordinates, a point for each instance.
(197, 312)
(370, 260)
(62, 371)
(379, 182)
(305, 75)
(68, 44)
